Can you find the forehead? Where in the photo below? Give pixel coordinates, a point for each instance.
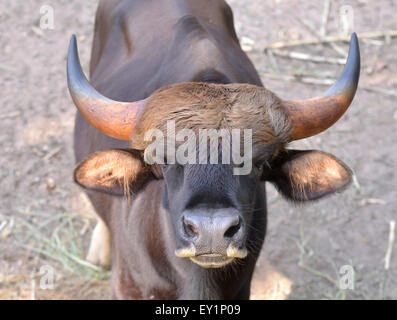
(233, 151)
(203, 106)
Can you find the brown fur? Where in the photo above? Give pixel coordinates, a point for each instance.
(198, 106)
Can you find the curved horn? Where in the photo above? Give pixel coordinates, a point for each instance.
(312, 116)
(113, 118)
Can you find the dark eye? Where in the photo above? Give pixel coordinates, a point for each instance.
(167, 166)
(259, 164)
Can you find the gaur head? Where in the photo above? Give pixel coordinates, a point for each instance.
(212, 203)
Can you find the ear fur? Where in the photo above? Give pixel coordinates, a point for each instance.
(309, 175)
(115, 171)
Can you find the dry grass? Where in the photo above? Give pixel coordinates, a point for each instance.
(60, 238)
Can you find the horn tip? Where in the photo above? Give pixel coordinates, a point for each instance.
(73, 40)
(348, 81)
(354, 41)
(73, 61)
(73, 43)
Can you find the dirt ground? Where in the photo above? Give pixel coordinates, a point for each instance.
(45, 219)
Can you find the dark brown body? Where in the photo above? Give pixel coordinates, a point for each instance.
(140, 46)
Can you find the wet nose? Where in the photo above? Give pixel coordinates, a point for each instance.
(212, 230)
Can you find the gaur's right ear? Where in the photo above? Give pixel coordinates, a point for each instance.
(116, 171)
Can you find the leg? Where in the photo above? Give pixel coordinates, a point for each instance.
(99, 252)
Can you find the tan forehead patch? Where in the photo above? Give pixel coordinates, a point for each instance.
(198, 106)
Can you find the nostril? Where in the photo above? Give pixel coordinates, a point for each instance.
(233, 229)
(190, 228)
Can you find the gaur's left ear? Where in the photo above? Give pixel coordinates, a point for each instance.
(308, 175)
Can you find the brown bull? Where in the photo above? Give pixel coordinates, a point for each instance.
(190, 230)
